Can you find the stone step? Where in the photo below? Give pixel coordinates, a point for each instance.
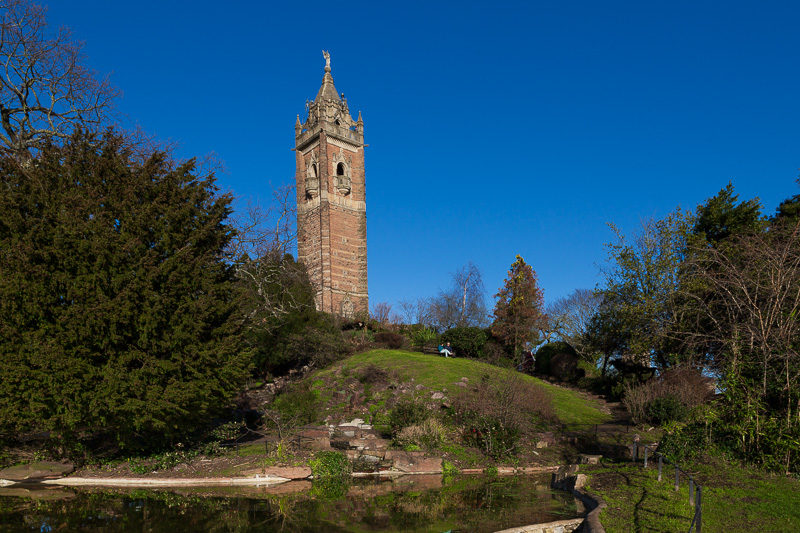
(394, 460)
(369, 443)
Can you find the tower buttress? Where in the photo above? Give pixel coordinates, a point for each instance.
(331, 202)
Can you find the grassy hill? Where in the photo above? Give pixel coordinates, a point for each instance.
(439, 373)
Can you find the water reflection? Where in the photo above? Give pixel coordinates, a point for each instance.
(410, 504)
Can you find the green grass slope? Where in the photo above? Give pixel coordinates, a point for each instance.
(735, 499)
(436, 372)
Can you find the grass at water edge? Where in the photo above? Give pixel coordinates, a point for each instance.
(735, 499)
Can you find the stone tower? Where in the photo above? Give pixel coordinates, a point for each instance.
(331, 207)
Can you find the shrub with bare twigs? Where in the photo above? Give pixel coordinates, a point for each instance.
(502, 408)
(669, 396)
(393, 341)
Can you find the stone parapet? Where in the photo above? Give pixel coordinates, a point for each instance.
(567, 478)
(561, 526)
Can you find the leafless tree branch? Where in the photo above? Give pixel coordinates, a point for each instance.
(264, 236)
(46, 90)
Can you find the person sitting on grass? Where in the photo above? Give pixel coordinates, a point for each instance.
(446, 350)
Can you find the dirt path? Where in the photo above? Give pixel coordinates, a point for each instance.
(611, 438)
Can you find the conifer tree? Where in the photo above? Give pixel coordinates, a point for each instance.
(118, 310)
(519, 312)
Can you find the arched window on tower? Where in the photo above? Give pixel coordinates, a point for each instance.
(342, 178)
(312, 179)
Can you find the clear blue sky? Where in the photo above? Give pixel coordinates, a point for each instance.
(494, 129)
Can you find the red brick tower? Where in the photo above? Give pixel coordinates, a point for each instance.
(331, 208)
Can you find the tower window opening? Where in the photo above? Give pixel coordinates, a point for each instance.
(340, 169)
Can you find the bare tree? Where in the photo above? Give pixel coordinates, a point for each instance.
(747, 291)
(381, 312)
(568, 318)
(463, 304)
(261, 250)
(415, 311)
(263, 230)
(749, 295)
(46, 90)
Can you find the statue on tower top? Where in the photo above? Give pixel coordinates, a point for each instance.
(327, 57)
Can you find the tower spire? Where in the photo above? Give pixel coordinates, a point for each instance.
(327, 91)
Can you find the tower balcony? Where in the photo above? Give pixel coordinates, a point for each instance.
(343, 132)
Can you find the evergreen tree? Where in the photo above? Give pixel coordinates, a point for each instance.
(720, 217)
(519, 312)
(118, 311)
(789, 209)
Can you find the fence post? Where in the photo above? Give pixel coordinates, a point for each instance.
(699, 510)
(660, 463)
(677, 481)
(695, 490)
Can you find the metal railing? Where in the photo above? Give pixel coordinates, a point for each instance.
(695, 490)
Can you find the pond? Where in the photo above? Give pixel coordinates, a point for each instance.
(410, 504)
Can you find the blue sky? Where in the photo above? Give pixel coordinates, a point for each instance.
(493, 129)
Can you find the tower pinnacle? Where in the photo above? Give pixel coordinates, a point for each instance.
(327, 57)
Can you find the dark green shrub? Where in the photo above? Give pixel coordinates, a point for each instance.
(603, 385)
(619, 385)
(587, 369)
(360, 339)
(496, 354)
(546, 353)
(318, 346)
(331, 471)
(491, 435)
(717, 429)
(423, 337)
(304, 336)
(327, 465)
(408, 413)
(685, 440)
(467, 342)
(666, 409)
(270, 334)
(393, 341)
(298, 406)
(564, 367)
